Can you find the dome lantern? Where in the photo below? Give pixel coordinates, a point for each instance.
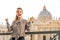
(44, 8)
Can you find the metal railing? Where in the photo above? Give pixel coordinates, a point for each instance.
(41, 32)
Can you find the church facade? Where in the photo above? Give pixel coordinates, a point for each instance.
(45, 22)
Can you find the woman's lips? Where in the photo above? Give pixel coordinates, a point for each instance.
(19, 15)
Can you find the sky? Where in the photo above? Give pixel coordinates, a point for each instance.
(30, 8)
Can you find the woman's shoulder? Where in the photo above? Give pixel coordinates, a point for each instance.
(14, 21)
(24, 20)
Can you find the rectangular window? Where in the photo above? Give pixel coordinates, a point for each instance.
(44, 37)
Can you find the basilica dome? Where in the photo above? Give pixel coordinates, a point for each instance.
(45, 15)
(45, 12)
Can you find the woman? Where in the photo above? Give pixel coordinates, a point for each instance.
(18, 26)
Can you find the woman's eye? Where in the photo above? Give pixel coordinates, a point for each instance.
(18, 11)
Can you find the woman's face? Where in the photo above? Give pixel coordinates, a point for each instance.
(19, 13)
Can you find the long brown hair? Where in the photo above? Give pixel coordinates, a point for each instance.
(16, 15)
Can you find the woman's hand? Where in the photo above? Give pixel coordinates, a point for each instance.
(6, 19)
(30, 20)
